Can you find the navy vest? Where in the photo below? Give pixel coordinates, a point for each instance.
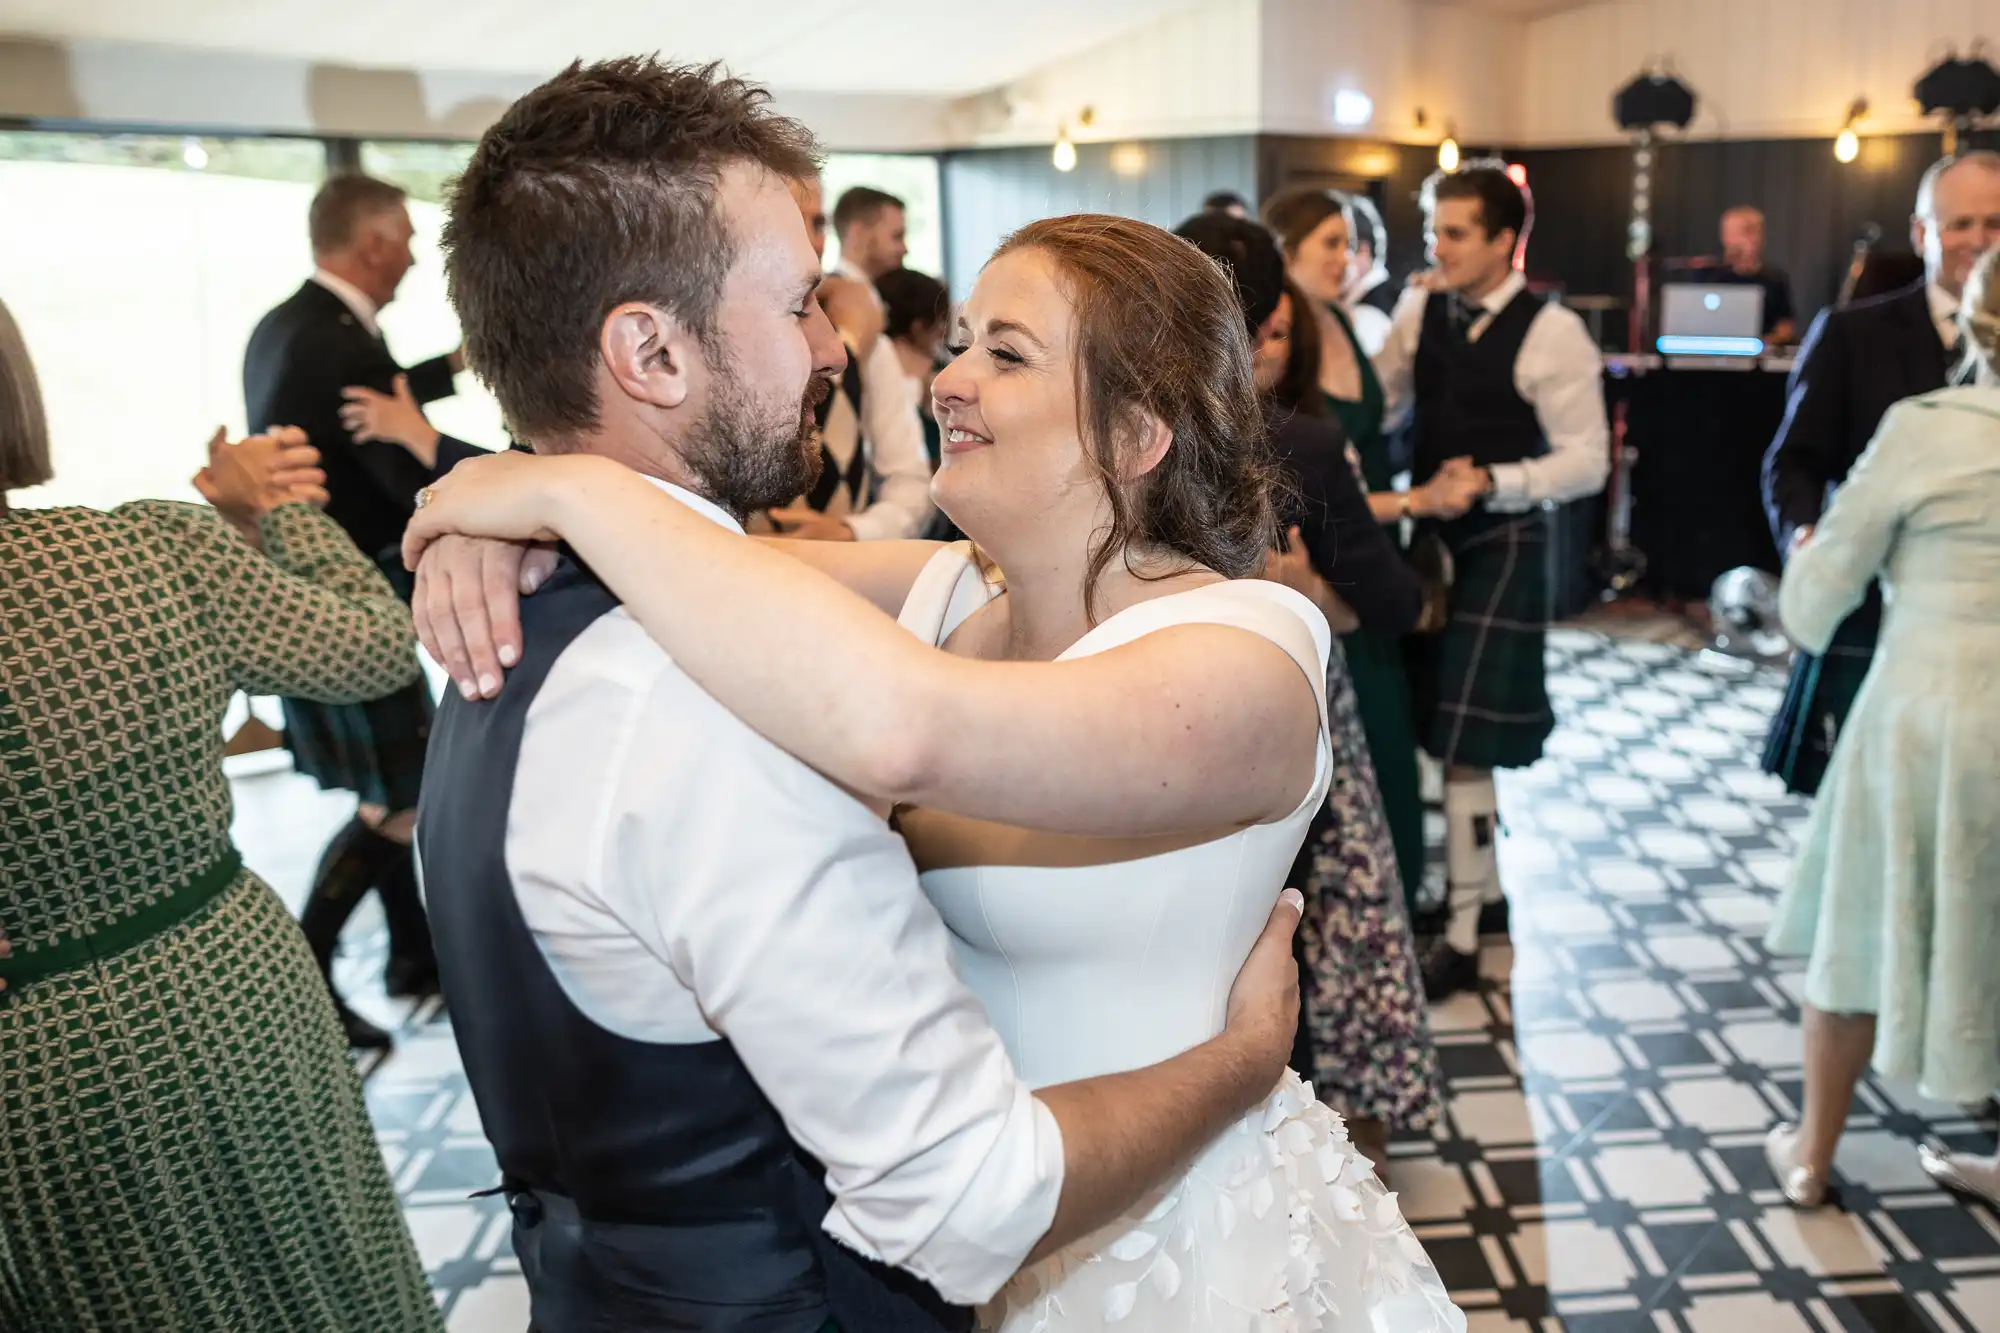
(1466, 401)
(684, 1202)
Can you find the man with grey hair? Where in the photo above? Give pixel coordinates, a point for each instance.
(301, 361)
(1857, 362)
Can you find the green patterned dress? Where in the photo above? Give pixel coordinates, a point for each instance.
(183, 1145)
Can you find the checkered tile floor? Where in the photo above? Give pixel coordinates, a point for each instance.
(1600, 1165)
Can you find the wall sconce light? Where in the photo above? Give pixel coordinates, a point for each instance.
(1847, 144)
(1448, 152)
(1064, 156)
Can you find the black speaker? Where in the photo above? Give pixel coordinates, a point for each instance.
(1653, 99)
(1969, 87)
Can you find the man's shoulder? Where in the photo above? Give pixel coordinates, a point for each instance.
(310, 316)
(1554, 319)
(1875, 312)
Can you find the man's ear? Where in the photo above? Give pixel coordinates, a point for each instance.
(651, 355)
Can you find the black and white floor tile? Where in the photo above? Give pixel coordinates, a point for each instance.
(1600, 1164)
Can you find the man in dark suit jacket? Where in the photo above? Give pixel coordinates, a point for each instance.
(302, 358)
(1857, 362)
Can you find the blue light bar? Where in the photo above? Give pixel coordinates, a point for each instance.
(1692, 345)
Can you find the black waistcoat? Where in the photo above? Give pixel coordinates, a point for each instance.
(1466, 402)
(697, 1210)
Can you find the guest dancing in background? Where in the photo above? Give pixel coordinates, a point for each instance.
(1856, 363)
(183, 1146)
(1329, 372)
(1370, 296)
(301, 362)
(875, 481)
(916, 314)
(1364, 1039)
(1507, 391)
(1895, 896)
(1312, 226)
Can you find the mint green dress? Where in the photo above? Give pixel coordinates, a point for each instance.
(1895, 894)
(1375, 660)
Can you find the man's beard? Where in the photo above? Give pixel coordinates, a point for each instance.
(750, 457)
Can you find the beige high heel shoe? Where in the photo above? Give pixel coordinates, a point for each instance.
(1803, 1187)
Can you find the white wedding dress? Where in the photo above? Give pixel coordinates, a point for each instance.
(1098, 955)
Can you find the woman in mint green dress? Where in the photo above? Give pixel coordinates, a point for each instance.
(183, 1145)
(1314, 227)
(1894, 897)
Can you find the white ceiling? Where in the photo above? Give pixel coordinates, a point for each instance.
(849, 46)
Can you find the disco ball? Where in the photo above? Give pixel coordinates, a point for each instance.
(1743, 605)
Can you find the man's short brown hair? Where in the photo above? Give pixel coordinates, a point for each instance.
(595, 189)
(345, 201)
(860, 206)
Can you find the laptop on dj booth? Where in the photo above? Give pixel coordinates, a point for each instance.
(1711, 319)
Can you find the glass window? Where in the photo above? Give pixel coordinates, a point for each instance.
(137, 266)
(420, 322)
(913, 178)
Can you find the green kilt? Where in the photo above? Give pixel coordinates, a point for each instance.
(374, 749)
(1481, 683)
(1818, 697)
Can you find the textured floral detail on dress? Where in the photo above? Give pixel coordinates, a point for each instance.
(1281, 1226)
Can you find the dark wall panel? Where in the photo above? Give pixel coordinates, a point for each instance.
(1814, 206)
(990, 192)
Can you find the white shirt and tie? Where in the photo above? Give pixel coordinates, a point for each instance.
(687, 880)
(890, 430)
(1560, 373)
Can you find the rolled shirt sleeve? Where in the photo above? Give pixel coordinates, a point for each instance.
(1561, 374)
(794, 916)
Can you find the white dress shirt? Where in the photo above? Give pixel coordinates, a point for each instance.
(1371, 329)
(688, 880)
(1560, 373)
(894, 437)
(1371, 326)
(356, 301)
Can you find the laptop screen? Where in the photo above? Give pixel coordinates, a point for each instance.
(1711, 319)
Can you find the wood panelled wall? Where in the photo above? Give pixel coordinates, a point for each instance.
(1814, 207)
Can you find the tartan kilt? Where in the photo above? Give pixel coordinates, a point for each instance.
(1480, 685)
(374, 749)
(1818, 696)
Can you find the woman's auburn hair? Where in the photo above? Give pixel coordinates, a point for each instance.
(1159, 334)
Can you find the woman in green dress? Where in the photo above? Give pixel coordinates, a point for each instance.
(1314, 227)
(183, 1145)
